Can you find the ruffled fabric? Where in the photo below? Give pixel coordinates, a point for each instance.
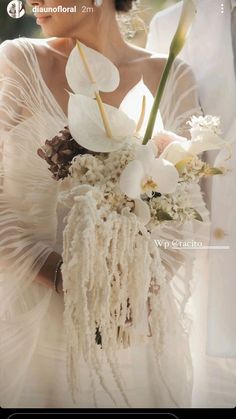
(28, 221)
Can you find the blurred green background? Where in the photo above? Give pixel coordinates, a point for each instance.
(25, 26)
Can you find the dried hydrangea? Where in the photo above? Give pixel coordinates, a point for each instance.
(59, 153)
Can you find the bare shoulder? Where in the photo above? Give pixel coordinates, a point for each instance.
(51, 63)
(155, 64)
(151, 65)
(146, 56)
(44, 54)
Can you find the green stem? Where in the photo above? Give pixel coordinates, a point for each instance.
(157, 100)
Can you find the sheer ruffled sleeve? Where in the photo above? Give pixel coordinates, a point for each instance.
(180, 100)
(27, 212)
(19, 242)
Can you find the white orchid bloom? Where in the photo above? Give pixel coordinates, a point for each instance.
(87, 128)
(185, 23)
(106, 75)
(147, 174)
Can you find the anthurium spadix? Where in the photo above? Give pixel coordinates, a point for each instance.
(104, 74)
(87, 128)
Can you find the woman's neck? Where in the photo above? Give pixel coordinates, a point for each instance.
(104, 37)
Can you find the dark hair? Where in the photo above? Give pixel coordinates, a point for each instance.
(123, 5)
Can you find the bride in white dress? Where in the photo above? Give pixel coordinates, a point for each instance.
(33, 108)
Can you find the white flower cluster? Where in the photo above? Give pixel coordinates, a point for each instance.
(101, 173)
(193, 170)
(175, 206)
(207, 122)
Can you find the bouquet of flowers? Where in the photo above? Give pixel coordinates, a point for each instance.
(118, 187)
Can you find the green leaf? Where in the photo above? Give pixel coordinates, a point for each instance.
(163, 215)
(197, 216)
(211, 171)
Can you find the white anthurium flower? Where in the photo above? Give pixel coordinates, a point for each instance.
(186, 19)
(135, 95)
(147, 174)
(177, 151)
(105, 72)
(87, 128)
(142, 211)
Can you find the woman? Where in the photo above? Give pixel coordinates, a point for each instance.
(34, 102)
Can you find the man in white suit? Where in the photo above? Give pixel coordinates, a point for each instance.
(211, 52)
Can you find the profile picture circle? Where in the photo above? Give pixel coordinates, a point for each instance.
(16, 9)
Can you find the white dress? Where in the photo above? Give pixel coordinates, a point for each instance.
(33, 348)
